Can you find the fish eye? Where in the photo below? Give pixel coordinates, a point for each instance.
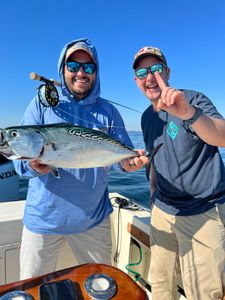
(13, 133)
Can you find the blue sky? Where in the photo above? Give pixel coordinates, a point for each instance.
(190, 33)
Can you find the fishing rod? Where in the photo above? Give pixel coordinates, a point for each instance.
(35, 76)
(51, 96)
(124, 106)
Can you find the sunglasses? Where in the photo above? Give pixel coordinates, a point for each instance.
(74, 66)
(143, 72)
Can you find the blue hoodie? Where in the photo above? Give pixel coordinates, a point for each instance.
(79, 199)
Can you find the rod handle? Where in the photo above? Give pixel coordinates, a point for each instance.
(35, 76)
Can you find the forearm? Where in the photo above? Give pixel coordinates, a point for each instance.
(210, 130)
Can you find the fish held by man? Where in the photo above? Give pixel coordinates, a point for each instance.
(64, 145)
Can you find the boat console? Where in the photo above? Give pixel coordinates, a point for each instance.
(83, 282)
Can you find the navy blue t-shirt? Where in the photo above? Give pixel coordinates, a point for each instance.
(190, 174)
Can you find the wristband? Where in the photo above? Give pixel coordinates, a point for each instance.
(195, 117)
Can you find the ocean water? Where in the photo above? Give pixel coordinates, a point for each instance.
(134, 186)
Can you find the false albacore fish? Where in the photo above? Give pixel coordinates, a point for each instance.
(64, 145)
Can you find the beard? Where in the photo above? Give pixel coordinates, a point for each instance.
(79, 93)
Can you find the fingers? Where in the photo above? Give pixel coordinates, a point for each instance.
(34, 163)
(141, 151)
(160, 80)
(135, 163)
(130, 165)
(125, 164)
(39, 167)
(171, 100)
(169, 95)
(141, 160)
(138, 162)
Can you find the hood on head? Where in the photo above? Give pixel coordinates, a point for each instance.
(95, 91)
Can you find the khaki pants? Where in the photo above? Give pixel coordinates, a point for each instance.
(198, 242)
(39, 252)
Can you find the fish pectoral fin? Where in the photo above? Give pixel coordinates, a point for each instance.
(55, 172)
(150, 158)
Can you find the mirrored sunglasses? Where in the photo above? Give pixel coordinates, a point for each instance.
(74, 66)
(143, 72)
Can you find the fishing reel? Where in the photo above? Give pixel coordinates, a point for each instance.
(47, 92)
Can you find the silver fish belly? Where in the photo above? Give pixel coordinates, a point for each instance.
(63, 145)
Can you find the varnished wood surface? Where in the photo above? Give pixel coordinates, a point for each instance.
(139, 234)
(126, 287)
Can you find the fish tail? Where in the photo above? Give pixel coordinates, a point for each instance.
(150, 158)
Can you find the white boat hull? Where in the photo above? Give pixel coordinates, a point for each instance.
(130, 227)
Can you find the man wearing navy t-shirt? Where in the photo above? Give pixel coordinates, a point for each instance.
(187, 183)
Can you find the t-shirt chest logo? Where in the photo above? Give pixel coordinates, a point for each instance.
(172, 130)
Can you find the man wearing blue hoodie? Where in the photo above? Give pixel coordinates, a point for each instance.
(76, 207)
